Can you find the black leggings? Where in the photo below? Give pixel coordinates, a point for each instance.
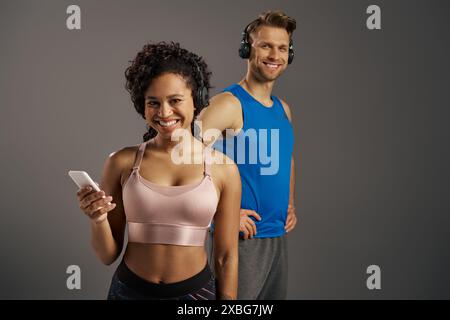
(126, 285)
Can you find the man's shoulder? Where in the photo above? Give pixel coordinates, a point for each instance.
(225, 99)
(222, 106)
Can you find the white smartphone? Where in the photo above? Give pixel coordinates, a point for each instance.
(82, 179)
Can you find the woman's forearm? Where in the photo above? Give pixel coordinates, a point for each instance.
(226, 269)
(103, 242)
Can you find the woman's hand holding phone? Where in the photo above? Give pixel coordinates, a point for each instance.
(95, 204)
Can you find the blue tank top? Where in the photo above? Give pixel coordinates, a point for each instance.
(262, 151)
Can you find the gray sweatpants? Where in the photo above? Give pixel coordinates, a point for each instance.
(263, 268)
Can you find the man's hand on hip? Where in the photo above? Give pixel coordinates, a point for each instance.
(247, 226)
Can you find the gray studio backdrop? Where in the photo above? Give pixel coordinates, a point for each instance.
(370, 110)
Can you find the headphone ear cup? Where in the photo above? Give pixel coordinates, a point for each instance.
(244, 50)
(291, 55)
(291, 51)
(205, 97)
(202, 97)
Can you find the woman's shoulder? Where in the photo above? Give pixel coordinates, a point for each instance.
(223, 164)
(124, 157)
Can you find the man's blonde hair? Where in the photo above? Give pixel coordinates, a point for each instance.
(274, 18)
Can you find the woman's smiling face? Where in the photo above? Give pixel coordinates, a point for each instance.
(169, 104)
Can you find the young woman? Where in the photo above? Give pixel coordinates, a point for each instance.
(168, 206)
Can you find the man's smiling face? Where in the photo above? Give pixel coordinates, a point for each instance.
(269, 52)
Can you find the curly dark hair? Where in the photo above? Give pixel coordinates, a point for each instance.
(157, 58)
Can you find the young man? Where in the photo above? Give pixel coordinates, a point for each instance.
(262, 147)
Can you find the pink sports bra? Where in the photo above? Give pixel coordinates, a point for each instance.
(178, 215)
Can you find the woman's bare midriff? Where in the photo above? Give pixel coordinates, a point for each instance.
(162, 263)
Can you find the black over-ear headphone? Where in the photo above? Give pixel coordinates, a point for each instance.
(244, 48)
(202, 94)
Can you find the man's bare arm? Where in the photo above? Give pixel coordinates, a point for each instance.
(224, 112)
(292, 217)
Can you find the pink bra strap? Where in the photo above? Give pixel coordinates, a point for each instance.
(139, 155)
(207, 161)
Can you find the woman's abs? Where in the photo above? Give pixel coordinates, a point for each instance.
(160, 263)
